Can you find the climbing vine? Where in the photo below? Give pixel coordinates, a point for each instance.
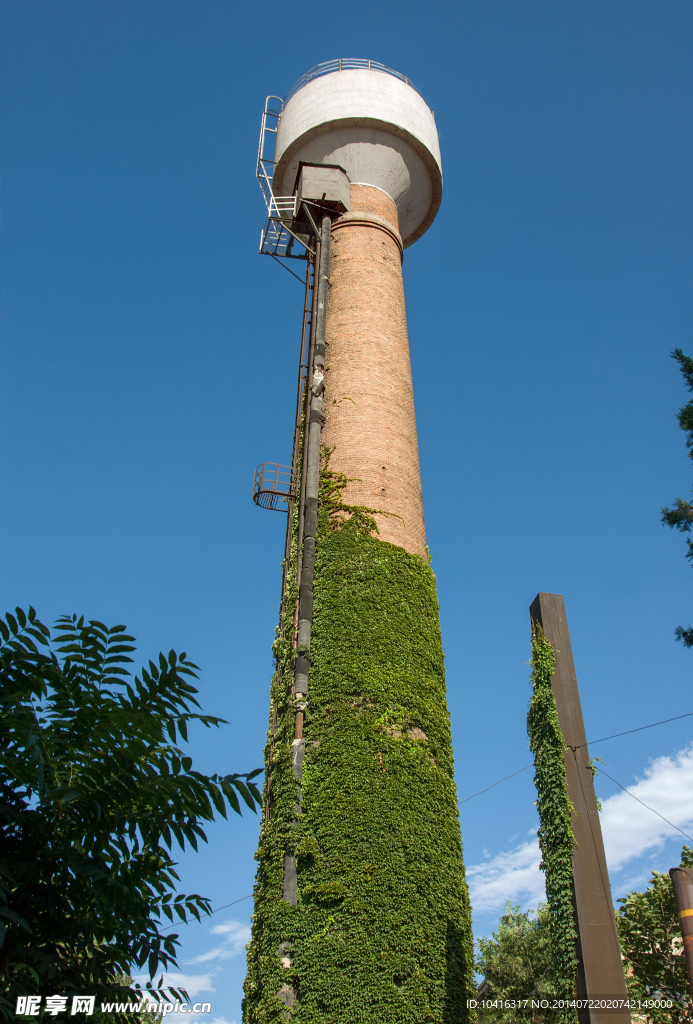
(556, 838)
(381, 932)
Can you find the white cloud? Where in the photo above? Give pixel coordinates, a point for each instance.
(194, 984)
(514, 875)
(236, 930)
(630, 829)
(236, 935)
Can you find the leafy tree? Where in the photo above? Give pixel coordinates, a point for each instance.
(517, 964)
(680, 517)
(94, 792)
(652, 948)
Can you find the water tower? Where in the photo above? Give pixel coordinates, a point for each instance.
(361, 907)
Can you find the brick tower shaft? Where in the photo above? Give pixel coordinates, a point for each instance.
(369, 401)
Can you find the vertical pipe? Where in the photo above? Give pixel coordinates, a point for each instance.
(305, 411)
(304, 355)
(682, 880)
(313, 438)
(303, 364)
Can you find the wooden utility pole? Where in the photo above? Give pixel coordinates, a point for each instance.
(682, 881)
(600, 970)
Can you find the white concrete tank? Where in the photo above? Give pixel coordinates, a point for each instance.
(370, 121)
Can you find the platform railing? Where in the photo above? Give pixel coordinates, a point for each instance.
(283, 206)
(273, 486)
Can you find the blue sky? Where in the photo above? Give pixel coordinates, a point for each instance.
(149, 365)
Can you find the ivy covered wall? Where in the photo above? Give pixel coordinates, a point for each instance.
(381, 931)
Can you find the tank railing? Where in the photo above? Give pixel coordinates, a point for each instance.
(273, 486)
(344, 64)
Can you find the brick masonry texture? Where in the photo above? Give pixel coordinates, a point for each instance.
(369, 400)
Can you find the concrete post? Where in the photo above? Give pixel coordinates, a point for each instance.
(600, 969)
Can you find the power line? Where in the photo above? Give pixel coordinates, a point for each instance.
(639, 729)
(504, 779)
(210, 914)
(588, 743)
(644, 804)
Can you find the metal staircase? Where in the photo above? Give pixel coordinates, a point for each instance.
(276, 239)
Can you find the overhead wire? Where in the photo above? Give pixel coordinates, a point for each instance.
(629, 731)
(643, 803)
(588, 743)
(505, 778)
(210, 914)
(494, 784)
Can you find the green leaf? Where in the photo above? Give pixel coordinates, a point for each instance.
(243, 790)
(96, 798)
(67, 796)
(231, 795)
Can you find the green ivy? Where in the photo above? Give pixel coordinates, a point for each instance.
(381, 933)
(556, 838)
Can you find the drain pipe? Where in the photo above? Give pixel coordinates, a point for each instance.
(310, 529)
(310, 524)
